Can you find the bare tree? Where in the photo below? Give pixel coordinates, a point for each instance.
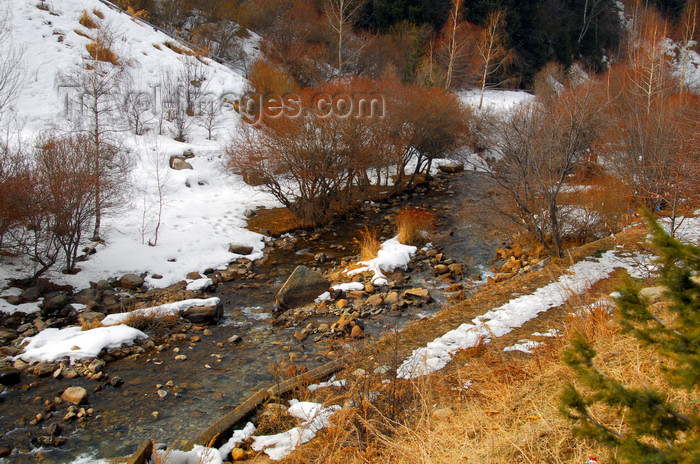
(97, 84)
(537, 147)
(156, 164)
(65, 180)
(689, 23)
(493, 54)
(138, 108)
(11, 69)
(209, 114)
(340, 15)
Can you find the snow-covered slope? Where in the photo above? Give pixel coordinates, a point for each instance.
(203, 208)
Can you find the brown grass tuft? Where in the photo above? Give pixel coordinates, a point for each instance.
(414, 225)
(157, 325)
(98, 13)
(87, 21)
(177, 49)
(100, 51)
(82, 34)
(367, 243)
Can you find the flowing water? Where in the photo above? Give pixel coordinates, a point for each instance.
(218, 375)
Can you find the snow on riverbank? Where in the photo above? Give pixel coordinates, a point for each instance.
(502, 320)
(168, 309)
(74, 344)
(314, 417)
(392, 255)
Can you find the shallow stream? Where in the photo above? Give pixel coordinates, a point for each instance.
(217, 374)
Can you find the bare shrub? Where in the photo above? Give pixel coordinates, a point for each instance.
(413, 225)
(100, 50)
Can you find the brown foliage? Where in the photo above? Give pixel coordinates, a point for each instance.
(177, 49)
(99, 50)
(87, 21)
(368, 243)
(413, 225)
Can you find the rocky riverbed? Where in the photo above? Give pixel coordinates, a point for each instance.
(195, 367)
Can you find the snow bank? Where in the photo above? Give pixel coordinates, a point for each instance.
(315, 417)
(392, 255)
(27, 308)
(239, 436)
(168, 309)
(502, 320)
(526, 346)
(198, 455)
(73, 343)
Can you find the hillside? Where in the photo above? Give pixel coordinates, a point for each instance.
(203, 207)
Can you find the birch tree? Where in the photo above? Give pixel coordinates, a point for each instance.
(493, 52)
(340, 14)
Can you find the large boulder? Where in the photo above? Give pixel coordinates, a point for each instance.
(204, 314)
(302, 287)
(9, 376)
(75, 395)
(240, 249)
(131, 281)
(54, 303)
(178, 163)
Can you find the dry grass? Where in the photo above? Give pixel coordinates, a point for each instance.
(98, 13)
(82, 34)
(509, 413)
(157, 47)
(87, 21)
(277, 221)
(413, 225)
(157, 325)
(100, 51)
(177, 49)
(368, 243)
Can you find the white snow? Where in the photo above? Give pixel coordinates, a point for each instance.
(314, 416)
(551, 333)
(239, 436)
(392, 255)
(199, 284)
(73, 343)
(198, 455)
(332, 383)
(500, 101)
(526, 346)
(349, 286)
(203, 210)
(502, 320)
(27, 308)
(168, 309)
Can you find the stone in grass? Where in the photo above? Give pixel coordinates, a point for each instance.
(302, 287)
(75, 395)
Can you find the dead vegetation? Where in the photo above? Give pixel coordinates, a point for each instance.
(100, 50)
(368, 243)
(413, 225)
(87, 21)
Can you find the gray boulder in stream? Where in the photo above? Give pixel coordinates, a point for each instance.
(302, 287)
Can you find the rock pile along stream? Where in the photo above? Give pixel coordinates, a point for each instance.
(190, 372)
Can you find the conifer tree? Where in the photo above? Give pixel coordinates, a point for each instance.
(655, 430)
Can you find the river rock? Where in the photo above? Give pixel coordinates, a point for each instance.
(375, 300)
(7, 335)
(302, 287)
(391, 298)
(75, 395)
(9, 376)
(5, 451)
(193, 275)
(131, 281)
(357, 332)
(240, 249)
(54, 303)
(204, 314)
(96, 365)
(441, 269)
(90, 318)
(32, 293)
(43, 369)
(13, 300)
(237, 454)
(420, 295)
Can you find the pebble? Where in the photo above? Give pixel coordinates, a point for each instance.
(180, 357)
